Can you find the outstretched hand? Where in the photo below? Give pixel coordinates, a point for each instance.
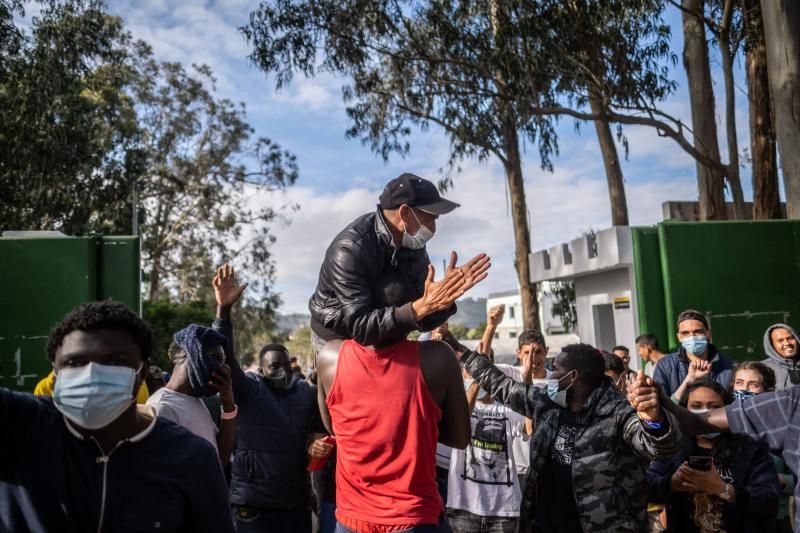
(226, 290)
(643, 395)
(475, 270)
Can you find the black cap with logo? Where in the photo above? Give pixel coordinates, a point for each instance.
(416, 192)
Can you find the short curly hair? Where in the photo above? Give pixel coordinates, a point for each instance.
(106, 314)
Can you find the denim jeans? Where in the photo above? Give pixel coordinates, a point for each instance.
(252, 520)
(441, 527)
(327, 517)
(466, 522)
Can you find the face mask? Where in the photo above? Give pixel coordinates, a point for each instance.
(418, 241)
(92, 396)
(706, 435)
(278, 380)
(743, 394)
(557, 396)
(695, 345)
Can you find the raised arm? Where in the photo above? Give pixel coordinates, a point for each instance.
(493, 319)
(226, 293)
(499, 386)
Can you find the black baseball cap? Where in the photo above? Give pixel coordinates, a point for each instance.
(416, 192)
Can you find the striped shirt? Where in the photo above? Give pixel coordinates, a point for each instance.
(774, 419)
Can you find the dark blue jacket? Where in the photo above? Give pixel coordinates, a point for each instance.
(743, 463)
(672, 369)
(164, 479)
(273, 432)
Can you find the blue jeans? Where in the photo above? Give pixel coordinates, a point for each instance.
(327, 517)
(441, 527)
(252, 520)
(466, 522)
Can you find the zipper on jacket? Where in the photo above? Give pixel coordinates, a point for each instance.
(104, 460)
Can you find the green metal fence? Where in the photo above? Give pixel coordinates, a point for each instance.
(42, 278)
(743, 275)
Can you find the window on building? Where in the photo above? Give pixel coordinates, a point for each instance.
(496, 335)
(511, 312)
(512, 334)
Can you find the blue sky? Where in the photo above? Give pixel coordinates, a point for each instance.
(341, 179)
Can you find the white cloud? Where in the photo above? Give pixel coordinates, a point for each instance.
(562, 205)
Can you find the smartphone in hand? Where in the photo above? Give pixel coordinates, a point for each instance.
(700, 462)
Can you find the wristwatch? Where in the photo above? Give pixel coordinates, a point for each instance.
(726, 495)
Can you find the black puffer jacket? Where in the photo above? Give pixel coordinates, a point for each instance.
(342, 305)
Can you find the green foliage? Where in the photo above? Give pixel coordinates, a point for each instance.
(93, 129)
(472, 68)
(299, 345)
(459, 331)
(67, 127)
(564, 305)
(476, 332)
(167, 317)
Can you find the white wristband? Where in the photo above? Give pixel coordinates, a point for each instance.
(231, 415)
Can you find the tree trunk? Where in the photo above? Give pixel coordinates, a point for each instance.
(519, 217)
(701, 98)
(734, 180)
(782, 36)
(766, 199)
(616, 186)
(516, 188)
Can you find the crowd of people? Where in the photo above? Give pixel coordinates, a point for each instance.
(389, 434)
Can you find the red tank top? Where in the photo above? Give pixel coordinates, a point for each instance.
(386, 424)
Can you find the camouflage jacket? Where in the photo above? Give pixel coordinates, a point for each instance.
(611, 453)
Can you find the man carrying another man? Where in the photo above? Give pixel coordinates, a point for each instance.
(387, 406)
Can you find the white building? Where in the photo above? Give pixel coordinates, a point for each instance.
(601, 266)
(505, 343)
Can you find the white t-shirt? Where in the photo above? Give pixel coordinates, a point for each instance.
(186, 411)
(483, 478)
(521, 448)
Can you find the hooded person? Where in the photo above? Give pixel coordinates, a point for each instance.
(782, 346)
(199, 371)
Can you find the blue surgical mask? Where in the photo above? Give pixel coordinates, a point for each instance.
(695, 345)
(554, 392)
(92, 396)
(743, 394)
(417, 241)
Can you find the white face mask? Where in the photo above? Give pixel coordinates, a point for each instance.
(558, 396)
(418, 241)
(701, 411)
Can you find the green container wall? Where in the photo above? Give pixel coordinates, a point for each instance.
(650, 307)
(42, 279)
(744, 275)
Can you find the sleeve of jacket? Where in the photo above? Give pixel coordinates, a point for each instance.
(502, 388)
(661, 377)
(659, 474)
(363, 322)
(759, 494)
(648, 445)
(240, 383)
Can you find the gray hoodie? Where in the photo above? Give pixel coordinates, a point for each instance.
(784, 368)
